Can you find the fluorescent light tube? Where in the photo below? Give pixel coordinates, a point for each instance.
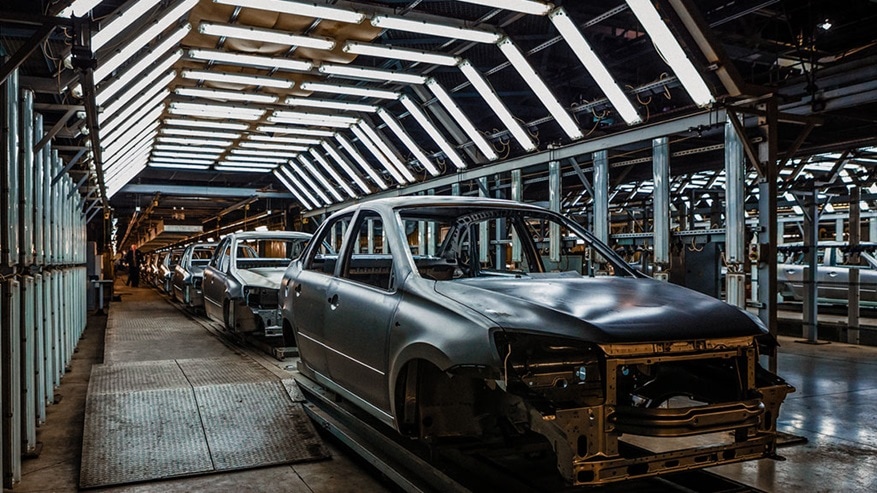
(155, 164)
(144, 138)
(487, 93)
(149, 111)
(671, 51)
(319, 176)
(251, 60)
(442, 30)
(271, 147)
(152, 96)
(307, 9)
(433, 132)
(116, 166)
(263, 154)
(385, 149)
(382, 159)
(196, 92)
(287, 172)
(120, 20)
(371, 74)
(240, 169)
(273, 159)
(292, 189)
(461, 119)
(394, 53)
(179, 122)
(148, 83)
(130, 136)
(114, 186)
(189, 141)
(265, 36)
(348, 90)
(283, 140)
(135, 71)
(524, 6)
(334, 174)
(241, 112)
(79, 8)
(141, 121)
(254, 162)
(241, 79)
(561, 116)
(182, 132)
(181, 148)
(311, 119)
(183, 111)
(310, 183)
(568, 30)
(203, 162)
(275, 129)
(340, 161)
(360, 160)
(400, 133)
(129, 50)
(166, 154)
(332, 105)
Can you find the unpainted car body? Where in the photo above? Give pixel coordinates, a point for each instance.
(835, 260)
(165, 273)
(241, 282)
(189, 274)
(437, 316)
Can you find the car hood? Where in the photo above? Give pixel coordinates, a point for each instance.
(263, 277)
(601, 309)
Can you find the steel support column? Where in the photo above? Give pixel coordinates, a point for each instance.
(483, 230)
(855, 288)
(601, 195)
(767, 219)
(661, 204)
(735, 227)
(811, 240)
(554, 204)
(518, 196)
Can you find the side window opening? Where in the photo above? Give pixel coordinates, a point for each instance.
(369, 260)
(323, 257)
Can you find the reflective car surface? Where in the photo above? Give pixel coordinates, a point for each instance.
(189, 274)
(241, 281)
(835, 261)
(166, 268)
(438, 316)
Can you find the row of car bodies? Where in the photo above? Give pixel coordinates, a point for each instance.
(835, 260)
(463, 319)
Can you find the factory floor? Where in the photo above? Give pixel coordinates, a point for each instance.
(833, 409)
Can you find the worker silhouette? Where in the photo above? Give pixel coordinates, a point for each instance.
(132, 258)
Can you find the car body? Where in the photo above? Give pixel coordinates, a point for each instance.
(165, 271)
(151, 267)
(241, 281)
(835, 260)
(438, 317)
(189, 274)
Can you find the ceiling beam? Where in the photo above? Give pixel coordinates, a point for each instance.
(203, 191)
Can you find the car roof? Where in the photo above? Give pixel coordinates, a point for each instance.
(426, 201)
(285, 235)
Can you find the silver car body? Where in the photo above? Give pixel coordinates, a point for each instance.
(189, 274)
(834, 263)
(241, 282)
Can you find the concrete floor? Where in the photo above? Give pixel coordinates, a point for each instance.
(834, 408)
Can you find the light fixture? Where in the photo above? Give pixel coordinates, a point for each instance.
(276, 129)
(348, 90)
(203, 162)
(334, 174)
(149, 83)
(287, 172)
(319, 176)
(395, 53)
(340, 161)
(496, 104)
(371, 74)
(306, 9)
(252, 154)
(179, 122)
(155, 164)
(382, 152)
(152, 95)
(150, 110)
(561, 116)
(271, 147)
(215, 110)
(141, 121)
(136, 70)
(524, 6)
(118, 21)
(332, 105)
(129, 50)
(292, 189)
(130, 138)
(236, 96)
(115, 186)
(79, 8)
(825, 25)
(403, 136)
(433, 132)
(183, 132)
(311, 119)
(265, 36)
(310, 183)
(671, 51)
(461, 119)
(182, 148)
(239, 169)
(241, 79)
(193, 155)
(283, 140)
(360, 160)
(185, 141)
(251, 60)
(141, 150)
(142, 141)
(442, 30)
(568, 30)
(254, 162)
(184, 111)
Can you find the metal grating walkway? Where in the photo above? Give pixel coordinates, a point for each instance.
(164, 418)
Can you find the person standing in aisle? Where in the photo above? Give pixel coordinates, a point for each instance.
(132, 258)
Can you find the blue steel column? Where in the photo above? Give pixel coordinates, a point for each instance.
(811, 272)
(661, 204)
(735, 216)
(554, 205)
(601, 196)
(517, 196)
(855, 290)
